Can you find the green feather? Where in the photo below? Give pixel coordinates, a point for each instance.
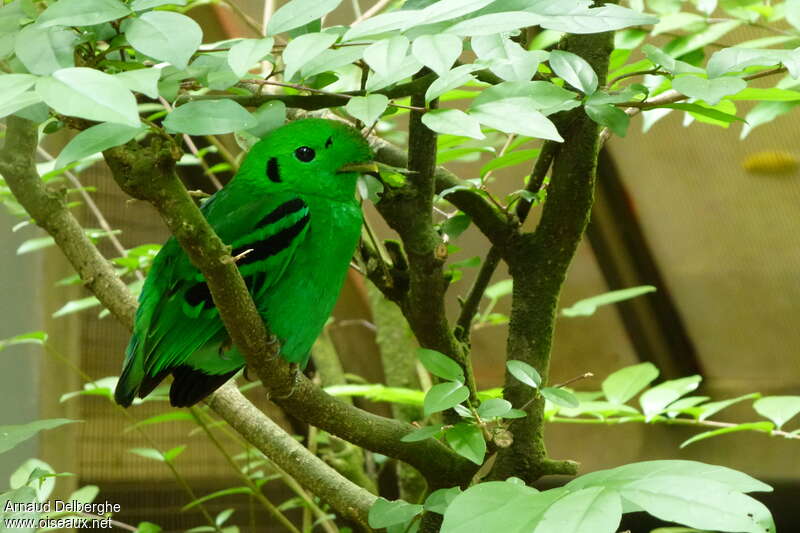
(291, 210)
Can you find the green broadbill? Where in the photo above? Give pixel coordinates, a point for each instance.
(291, 212)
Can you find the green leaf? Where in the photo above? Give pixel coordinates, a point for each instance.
(773, 94)
(303, 49)
(513, 115)
(381, 24)
(96, 139)
(45, 50)
(244, 54)
(165, 35)
(405, 70)
(34, 337)
(453, 122)
(148, 527)
(627, 382)
(493, 408)
(696, 41)
(75, 306)
(620, 477)
(269, 116)
(141, 5)
(494, 24)
(333, 59)
(10, 436)
(437, 52)
(368, 108)
(590, 510)
(751, 426)
(438, 500)
(610, 116)
(711, 90)
(582, 20)
(667, 62)
(81, 13)
(444, 396)
(540, 95)
(712, 408)
(18, 103)
(574, 70)
(762, 113)
(588, 306)
(440, 365)
(446, 10)
(779, 409)
(560, 397)
(455, 226)
(85, 494)
(209, 117)
(299, 13)
(700, 503)
(450, 80)
(655, 400)
(172, 453)
(385, 513)
(216, 494)
(171, 416)
(148, 453)
(735, 59)
(497, 506)
(379, 393)
(387, 55)
(12, 85)
(506, 58)
(525, 373)
(467, 441)
(90, 94)
(697, 109)
(510, 159)
(143, 80)
(423, 433)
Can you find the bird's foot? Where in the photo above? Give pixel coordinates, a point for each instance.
(294, 368)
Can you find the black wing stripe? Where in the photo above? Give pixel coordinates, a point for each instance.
(272, 245)
(199, 293)
(283, 210)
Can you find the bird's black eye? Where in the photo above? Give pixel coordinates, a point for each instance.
(305, 154)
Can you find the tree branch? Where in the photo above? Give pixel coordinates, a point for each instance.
(48, 209)
(538, 263)
(352, 501)
(410, 214)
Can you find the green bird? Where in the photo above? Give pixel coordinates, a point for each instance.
(291, 215)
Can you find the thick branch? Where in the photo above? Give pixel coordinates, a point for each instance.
(492, 223)
(352, 501)
(48, 208)
(538, 263)
(410, 214)
(17, 167)
(148, 173)
(311, 102)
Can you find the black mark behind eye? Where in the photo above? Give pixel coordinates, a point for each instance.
(273, 171)
(305, 154)
(329, 142)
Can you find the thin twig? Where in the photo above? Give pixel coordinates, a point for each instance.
(376, 8)
(193, 148)
(327, 93)
(672, 96)
(90, 203)
(247, 19)
(470, 307)
(263, 500)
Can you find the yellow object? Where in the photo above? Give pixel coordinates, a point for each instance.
(771, 162)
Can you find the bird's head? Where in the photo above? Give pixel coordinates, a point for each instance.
(310, 156)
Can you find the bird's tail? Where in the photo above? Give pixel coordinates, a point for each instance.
(132, 374)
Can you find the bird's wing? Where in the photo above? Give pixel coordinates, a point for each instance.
(177, 316)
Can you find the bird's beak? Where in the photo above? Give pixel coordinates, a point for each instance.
(360, 168)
